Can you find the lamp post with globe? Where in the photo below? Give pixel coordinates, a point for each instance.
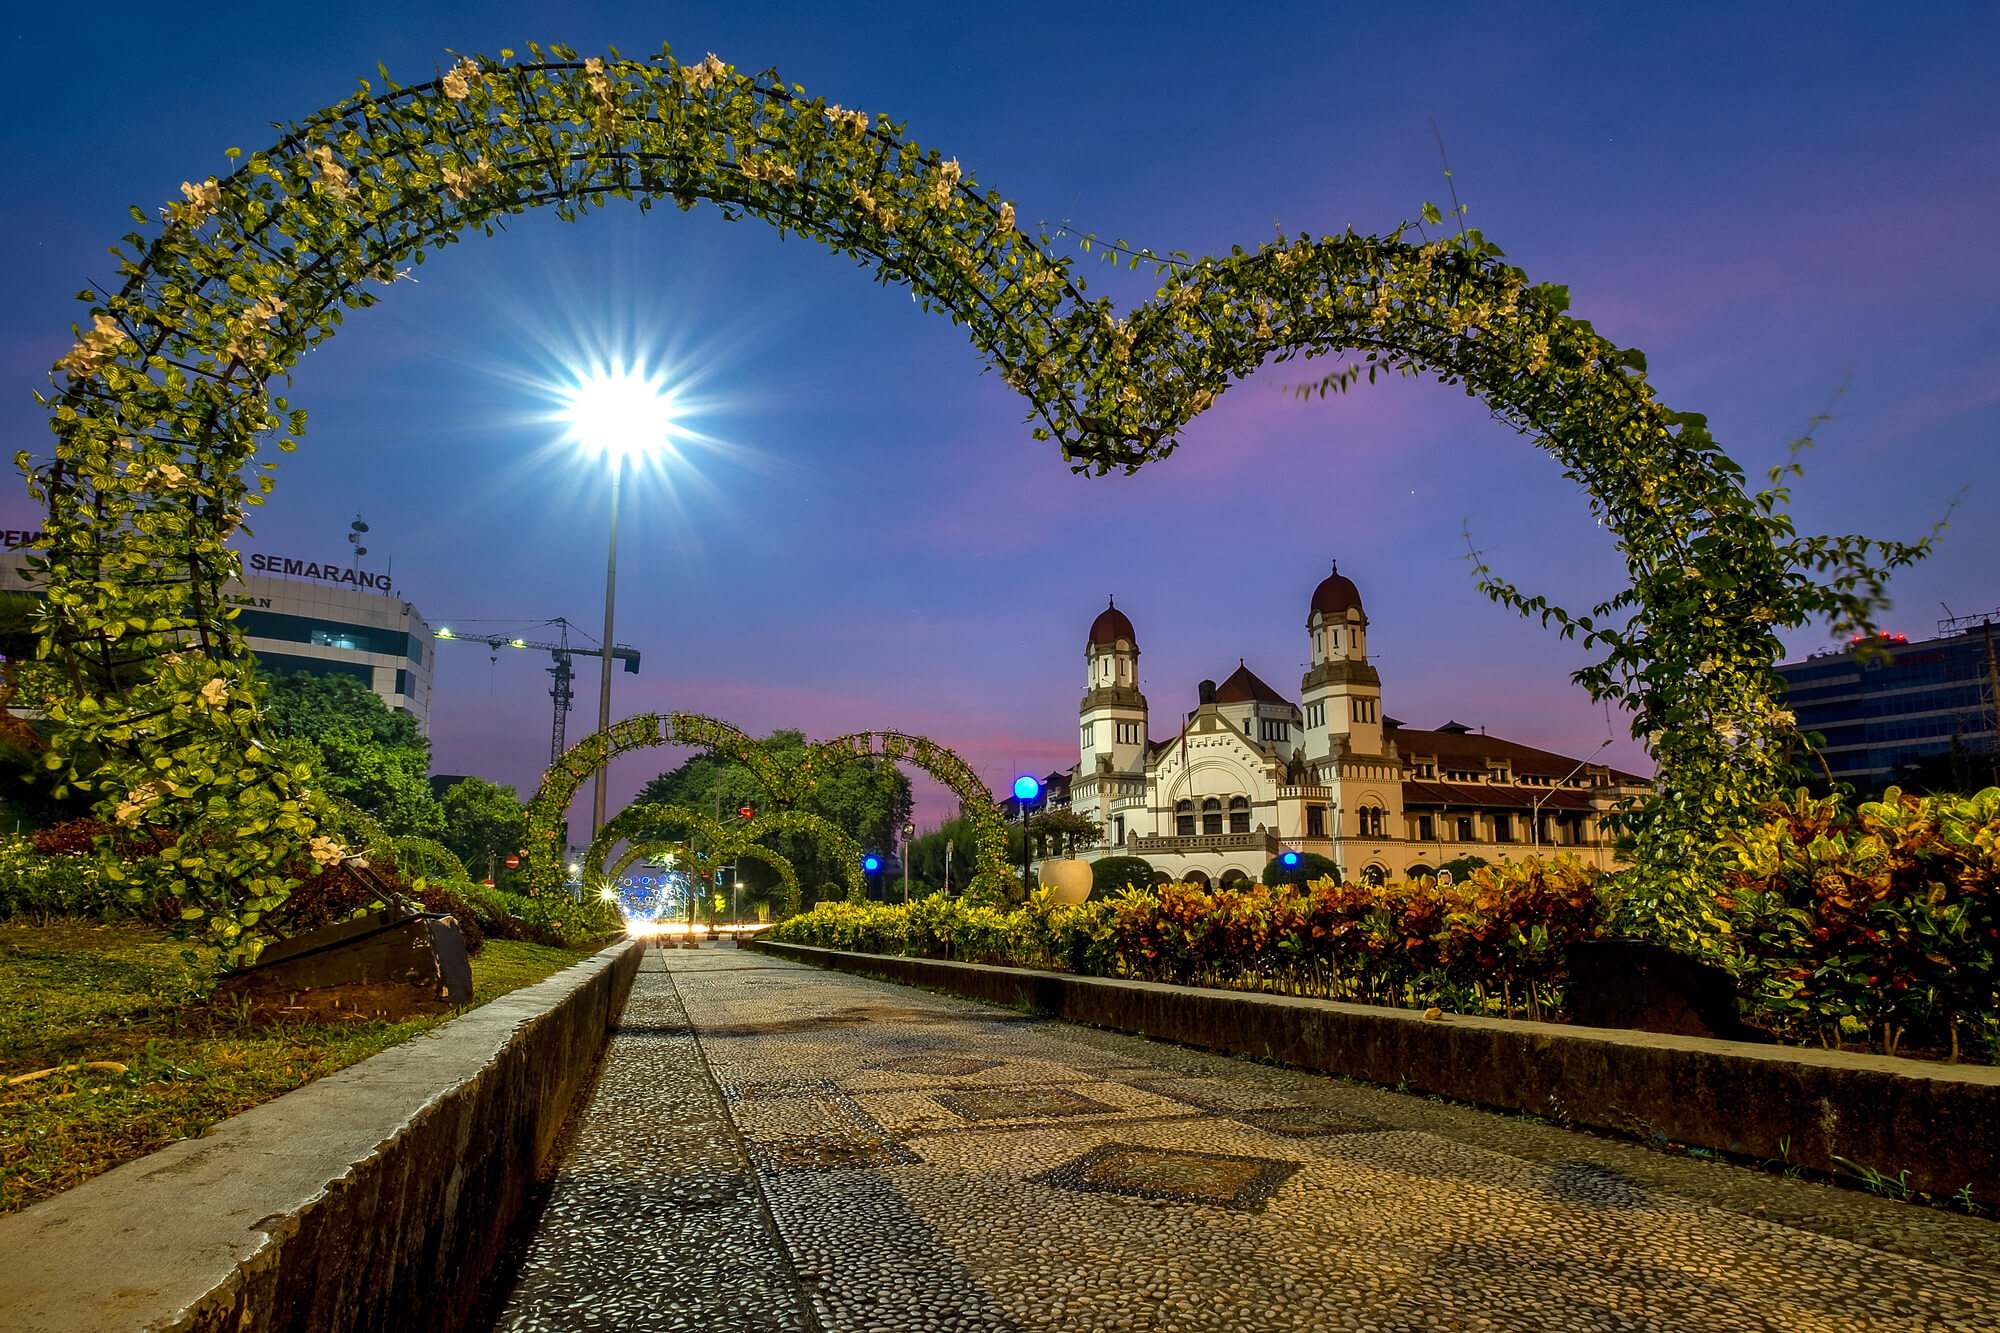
(618, 414)
(1026, 789)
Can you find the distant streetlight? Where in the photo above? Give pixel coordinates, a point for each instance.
(617, 414)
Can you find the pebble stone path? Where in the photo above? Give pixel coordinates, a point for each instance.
(774, 1147)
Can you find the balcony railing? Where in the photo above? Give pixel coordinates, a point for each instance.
(1198, 843)
(1305, 793)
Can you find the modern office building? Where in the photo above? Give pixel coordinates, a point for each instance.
(303, 616)
(1886, 702)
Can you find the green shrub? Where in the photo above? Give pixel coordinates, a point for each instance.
(1115, 874)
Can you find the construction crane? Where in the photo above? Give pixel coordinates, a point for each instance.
(562, 651)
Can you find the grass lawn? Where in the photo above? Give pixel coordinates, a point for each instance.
(74, 991)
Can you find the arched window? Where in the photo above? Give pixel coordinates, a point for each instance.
(1371, 821)
(1231, 878)
(1418, 872)
(1184, 819)
(1211, 817)
(1374, 875)
(1239, 814)
(1196, 878)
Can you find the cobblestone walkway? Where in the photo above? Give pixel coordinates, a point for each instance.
(816, 1151)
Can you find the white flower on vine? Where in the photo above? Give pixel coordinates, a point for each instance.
(1006, 217)
(1690, 573)
(945, 182)
(1379, 316)
(215, 692)
(135, 802)
(1048, 368)
(766, 168)
(1727, 731)
(1200, 402)
(460, 182)
(1128, 395)
(264, 310)
(202, 201)
(95, 348)
(853, 120)
(331, 174)
(325, 851)
(457, 84)
(1538, 353)
(1708, 667)
(171, 659)
(705, 75)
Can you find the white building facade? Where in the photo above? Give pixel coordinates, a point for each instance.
(1250, 774)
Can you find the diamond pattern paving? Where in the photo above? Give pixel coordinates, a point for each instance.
(1157, 1173)
(1020, 1103)
(773, 1147)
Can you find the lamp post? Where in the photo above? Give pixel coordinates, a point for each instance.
(1535, 810)
(604, 671)
(1026, 789)
(615, 412)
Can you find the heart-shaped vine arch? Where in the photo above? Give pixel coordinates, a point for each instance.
(159, 407)
(786, 781)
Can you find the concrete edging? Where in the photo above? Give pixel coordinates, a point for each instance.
(1939, 1122)
(376, 1198)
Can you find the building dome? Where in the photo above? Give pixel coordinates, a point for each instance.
(1110, 626)
(1334, 595)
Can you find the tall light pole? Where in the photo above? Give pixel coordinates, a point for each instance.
(604, 675)
(616, 412)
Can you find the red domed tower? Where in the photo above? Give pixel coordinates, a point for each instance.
(1341, 693)
(1113, 715)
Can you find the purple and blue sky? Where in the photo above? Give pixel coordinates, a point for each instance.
(1772, 201)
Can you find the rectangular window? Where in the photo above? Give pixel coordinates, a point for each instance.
(1118, 825)
(1184, 825)
(1465, 833)
(1363, 710)
(1128, 733)
(402, 682)
(276, 625)
(1270, 730)
(416, 649)
(1424, 828)
(1239, 821)
(1315, 715)
(1503, 828)
(1089, 735)
(1315, 821)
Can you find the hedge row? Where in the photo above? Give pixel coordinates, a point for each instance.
(1879, 921)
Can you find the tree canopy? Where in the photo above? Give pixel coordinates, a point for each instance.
(484, 824)
(364, 751)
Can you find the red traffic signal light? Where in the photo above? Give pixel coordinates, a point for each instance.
(746, 812)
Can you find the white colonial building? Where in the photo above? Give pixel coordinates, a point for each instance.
(1250, 774)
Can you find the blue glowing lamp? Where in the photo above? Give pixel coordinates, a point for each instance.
(1026, 788)
(1291, 860)
(871, 863)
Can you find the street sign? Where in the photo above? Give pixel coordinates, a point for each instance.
(487, 882)
(1444, 878)
(513, 863)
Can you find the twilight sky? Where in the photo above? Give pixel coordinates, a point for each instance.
(1773, 201)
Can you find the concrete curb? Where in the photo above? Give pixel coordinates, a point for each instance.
(1939, 1122)
(379, 1197)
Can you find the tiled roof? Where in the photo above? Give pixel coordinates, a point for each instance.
(1243, 687)
(1455, 749)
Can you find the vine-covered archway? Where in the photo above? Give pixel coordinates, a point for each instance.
(640, 821)
(704, 863)
(787, 782)
(159, 408)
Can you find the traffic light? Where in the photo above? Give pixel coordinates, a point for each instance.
(746, 812)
